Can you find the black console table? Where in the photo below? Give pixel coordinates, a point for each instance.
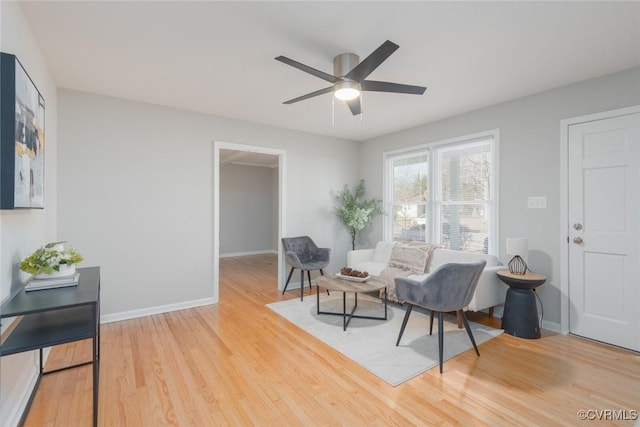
(57, 316)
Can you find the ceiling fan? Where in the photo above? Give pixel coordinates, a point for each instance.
(349, 76)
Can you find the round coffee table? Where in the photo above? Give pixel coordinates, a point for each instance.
(520, 317)
(336, 284)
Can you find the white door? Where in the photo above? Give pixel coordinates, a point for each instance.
(604, 231)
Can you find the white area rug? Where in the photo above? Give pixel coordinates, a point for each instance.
(372, 343)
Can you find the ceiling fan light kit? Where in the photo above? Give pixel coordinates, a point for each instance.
(349, 76)
(346, 90)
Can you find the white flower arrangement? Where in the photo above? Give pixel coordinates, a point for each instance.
(50, 257)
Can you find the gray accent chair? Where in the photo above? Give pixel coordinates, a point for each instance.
(448, 288)
(302, 253)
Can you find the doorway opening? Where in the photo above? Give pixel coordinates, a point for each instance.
(258, 219)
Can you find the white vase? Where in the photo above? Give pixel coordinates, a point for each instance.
(65, 270)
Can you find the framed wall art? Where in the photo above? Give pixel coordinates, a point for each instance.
(21, 137)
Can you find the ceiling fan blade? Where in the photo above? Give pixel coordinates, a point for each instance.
(355, 106)
(310, 95)
(371, 62)
(374, 86)
(307, 69)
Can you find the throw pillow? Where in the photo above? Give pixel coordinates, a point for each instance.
(428, 247)
(412, 258)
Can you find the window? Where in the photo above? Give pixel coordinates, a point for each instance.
(444, 193)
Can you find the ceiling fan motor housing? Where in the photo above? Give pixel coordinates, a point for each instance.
(344, 63)
(345, 89)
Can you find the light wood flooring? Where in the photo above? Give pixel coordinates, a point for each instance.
(238, 363)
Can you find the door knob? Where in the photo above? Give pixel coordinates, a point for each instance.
(577, 226)
(577, 240)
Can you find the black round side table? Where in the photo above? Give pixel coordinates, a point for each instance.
(520, 317)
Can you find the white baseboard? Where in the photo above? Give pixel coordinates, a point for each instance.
(551, 326)
(149, 311)
(16, 411)
(235, 254)
(18, 397)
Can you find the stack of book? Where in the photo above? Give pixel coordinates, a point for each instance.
(56, 282)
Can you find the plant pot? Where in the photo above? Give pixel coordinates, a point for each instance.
(65, 271)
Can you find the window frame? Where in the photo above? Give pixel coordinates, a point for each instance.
(434, 204)
(389, 203)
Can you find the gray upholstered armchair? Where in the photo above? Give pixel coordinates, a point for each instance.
(448, 288)
(302, 253)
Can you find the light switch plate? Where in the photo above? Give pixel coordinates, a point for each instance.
(537, 202)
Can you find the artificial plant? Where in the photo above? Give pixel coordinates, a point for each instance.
(354, 211)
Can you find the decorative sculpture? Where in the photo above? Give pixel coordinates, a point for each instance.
(517, 265)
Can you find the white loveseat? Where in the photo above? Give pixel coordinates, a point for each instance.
(490, 292)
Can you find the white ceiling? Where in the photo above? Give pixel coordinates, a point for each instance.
(218, 57)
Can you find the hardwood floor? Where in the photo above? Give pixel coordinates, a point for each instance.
(238, 363)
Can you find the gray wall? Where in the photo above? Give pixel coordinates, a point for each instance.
(24, 230)
(529, 162)
(136, 194)
(248, 201)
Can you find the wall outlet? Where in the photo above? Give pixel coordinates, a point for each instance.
(537, 202)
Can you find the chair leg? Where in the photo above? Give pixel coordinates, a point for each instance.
(309, 277)
(466, 326)
(322, 274)
(301, 284)
(404, 322)
(440, 338)
(288, 278)
(431, 323)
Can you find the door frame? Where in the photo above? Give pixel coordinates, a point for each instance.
(565, 303)
(217, 146)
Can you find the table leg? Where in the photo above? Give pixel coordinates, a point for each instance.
(346, 318)
(385, 303)
(344, 311)
(96, 364)
(96, 374)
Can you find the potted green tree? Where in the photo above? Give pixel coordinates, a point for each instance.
(354, 211)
